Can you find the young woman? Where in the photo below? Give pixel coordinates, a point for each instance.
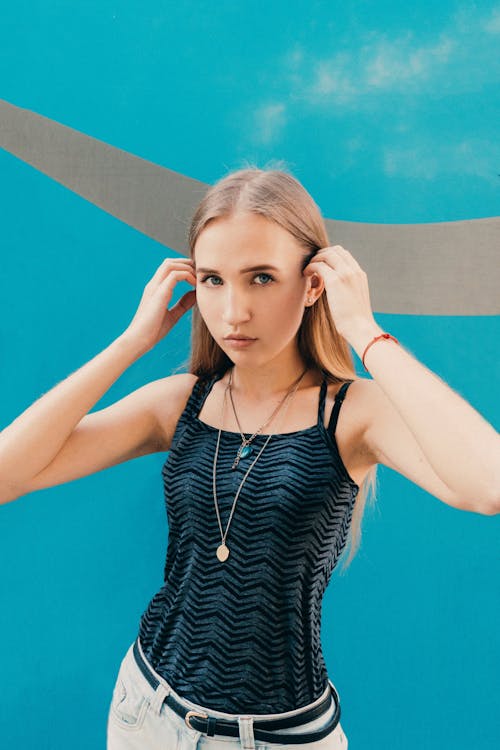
(266, 477)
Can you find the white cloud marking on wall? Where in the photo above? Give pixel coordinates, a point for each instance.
(461, 57)
(270, 119)
(472, 157)
(492, 26)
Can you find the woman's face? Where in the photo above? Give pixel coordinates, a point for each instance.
(265, 303)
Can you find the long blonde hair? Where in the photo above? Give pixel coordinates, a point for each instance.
(277, 195)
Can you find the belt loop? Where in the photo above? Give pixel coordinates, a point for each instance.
(161, 693)
(245, 724)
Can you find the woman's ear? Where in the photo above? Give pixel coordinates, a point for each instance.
(316, 284)
(315, 287)
(315, 280)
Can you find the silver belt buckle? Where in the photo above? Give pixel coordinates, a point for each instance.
(194, 713)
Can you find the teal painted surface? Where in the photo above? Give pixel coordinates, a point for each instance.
(410, 632)
(388, 113)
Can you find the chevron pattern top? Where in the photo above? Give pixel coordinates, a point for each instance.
(243, 636)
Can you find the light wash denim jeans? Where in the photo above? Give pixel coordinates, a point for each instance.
(139, 719)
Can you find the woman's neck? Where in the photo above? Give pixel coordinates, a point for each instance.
(269, 381)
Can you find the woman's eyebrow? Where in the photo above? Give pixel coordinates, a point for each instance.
(243, 270)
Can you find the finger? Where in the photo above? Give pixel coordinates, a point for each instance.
(165, 288)
(168, 265)
(180, 274)
(338, 251)
(325, 265)
(337, 258)
(183, 305)
(335, 248)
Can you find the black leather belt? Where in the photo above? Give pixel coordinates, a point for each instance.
(211, 725)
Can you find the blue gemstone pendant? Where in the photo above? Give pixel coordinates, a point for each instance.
(245, 451)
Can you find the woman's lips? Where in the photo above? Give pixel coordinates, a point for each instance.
(240, 343)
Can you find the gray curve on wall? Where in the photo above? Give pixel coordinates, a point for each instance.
(442, 268)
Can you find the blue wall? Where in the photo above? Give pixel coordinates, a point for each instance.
(410, 633)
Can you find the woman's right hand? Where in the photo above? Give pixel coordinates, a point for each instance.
(153, 320)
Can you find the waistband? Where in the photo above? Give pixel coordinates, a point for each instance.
(211, 722)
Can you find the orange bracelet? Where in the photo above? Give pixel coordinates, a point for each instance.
(377, 338)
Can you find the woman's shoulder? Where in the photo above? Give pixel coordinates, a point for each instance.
(174, 393)
(357, 387)
(354, 417)
(356, 396)
(354, 383)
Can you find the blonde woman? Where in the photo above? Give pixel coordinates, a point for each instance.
(273, 443)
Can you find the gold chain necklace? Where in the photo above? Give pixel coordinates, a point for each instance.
(245, 448)
(223, 549)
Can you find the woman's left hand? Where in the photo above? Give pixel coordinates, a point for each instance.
(346, 285)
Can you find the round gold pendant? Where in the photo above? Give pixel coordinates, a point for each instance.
(222, 552)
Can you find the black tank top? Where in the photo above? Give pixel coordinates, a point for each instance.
(243, 636)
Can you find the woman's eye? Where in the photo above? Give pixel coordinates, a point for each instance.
(206, 278)
(265, 274)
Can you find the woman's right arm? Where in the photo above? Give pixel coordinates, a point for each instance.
(55, 440)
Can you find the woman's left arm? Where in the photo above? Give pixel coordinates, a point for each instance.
(459, 444)
(409, 404)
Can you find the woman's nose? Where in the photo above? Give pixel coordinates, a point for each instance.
(236, 310)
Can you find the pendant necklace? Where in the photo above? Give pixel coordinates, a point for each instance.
(223, 549)
(245, 448)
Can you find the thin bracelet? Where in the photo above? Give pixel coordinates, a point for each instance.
(376, 338)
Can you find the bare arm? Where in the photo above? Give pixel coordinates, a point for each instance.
(416, 423)
(34, 438)
(140, 423)
(57, 424)
(422, 428)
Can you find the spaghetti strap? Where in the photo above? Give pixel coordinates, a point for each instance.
(204, 389)
(196, 399)
(339, 397)
(322, 399)
(196, 394)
